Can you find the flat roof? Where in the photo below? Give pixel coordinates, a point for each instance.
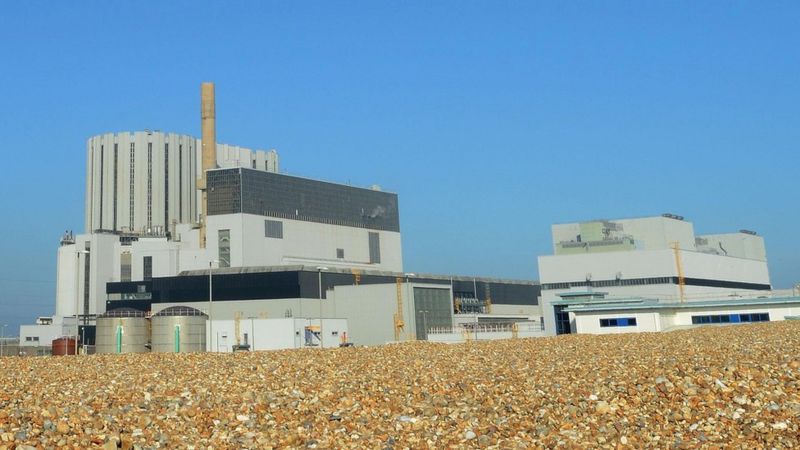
(304, 268)
(644, 304)
(287, 175)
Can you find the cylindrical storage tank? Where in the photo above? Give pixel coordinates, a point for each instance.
(64, 346)
(122, 330)
(179, 329)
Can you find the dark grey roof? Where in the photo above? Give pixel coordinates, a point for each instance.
(179, 311)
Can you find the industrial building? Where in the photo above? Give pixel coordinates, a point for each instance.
(655, 274)
(379, 306)
(166, 214)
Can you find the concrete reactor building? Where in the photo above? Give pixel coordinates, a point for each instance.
(147, 180)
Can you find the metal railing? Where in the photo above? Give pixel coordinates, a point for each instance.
(496, 327)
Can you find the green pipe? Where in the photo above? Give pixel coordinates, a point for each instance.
(119, 338)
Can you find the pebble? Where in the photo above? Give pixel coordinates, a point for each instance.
(602, 407)
(706, 387)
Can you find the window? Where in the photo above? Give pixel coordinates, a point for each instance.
(86, 281)
(102, 170)
(224, 248)
(563, 325)
(148, 268)
(116, 161)
(180, 183)
(273, 229)
(374, 248)
(618, 322)
(340, 253)
(149, 185)
(731, 318)
(166, 185)
(131, 177)
(125, 267)
(432, 308)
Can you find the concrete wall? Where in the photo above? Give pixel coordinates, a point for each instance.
(165, 257)
(132, 172)
(667, 319)
(532, 311)
(649, 233)
(740, 245)
(166, 163)
(103, 261)
(66, 280)
(368, 309)
(43, 335)
(275, 334)
(307, 243)
(590, 323)
(235, 156)
(715, 267)
(776, 312)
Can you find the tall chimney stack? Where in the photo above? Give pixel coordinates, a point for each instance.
(208, 126)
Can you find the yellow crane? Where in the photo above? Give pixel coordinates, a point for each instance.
(398, 316)
(237, 319)
(681, 280)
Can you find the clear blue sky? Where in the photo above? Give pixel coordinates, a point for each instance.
(491, 120)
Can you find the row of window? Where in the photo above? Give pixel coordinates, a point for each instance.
(618, 322)
(608, 283)
(731, 318)
(32, 338)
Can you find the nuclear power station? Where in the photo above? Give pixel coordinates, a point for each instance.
(195, 245)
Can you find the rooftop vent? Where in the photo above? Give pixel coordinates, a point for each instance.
(672, 216)
(750, 232)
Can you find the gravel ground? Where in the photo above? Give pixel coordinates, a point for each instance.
(734, 386)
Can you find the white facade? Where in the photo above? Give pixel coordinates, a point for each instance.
(303, 243)
(637, 258)
(368, 310)
(647, 233)
(83, 269)
(276, 334)
(147, 180)
(667, 317)
(41, 335)
(740, 245)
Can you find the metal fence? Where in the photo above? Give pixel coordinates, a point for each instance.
(489, 327)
